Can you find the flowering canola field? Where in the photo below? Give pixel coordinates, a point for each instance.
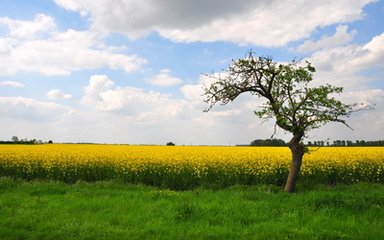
(185, 167)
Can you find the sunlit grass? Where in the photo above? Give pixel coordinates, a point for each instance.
(111, 210)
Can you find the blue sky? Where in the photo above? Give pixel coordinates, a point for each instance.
(130, 71)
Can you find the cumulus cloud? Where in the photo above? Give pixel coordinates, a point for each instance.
(135, 103)
(59, 53)
(56, 94)
(15, 84)
(30, 109)
(194, 93)
(164, 79)
(367, 124)
(265, 23)
(373, 55)
(34, 119)
(368, 97)
(345, 65)
(5, 47)
(97, 84)
(341, 37)
(28, 29)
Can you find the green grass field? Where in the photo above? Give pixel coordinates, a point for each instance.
(112, 210)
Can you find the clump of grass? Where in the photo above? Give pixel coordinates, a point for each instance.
(113, 210)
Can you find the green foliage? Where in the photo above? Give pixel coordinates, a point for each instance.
(296, 107)
(268, 142)
(15, 139)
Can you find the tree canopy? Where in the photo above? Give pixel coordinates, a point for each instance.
(296, 106)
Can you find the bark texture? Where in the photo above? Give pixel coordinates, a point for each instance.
(297, 150)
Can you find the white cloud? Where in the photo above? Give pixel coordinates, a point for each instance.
(5, 47)
(97, 85)
(56, 94)
(28, 29)
(135, 103)
(366, 124)
(371, 97)
(344, 66)
(264, 23)
(374, 52)
(60, 53)
(341, 37)
(12, 84)
(32, 110)
(164, 79)
(34, 119)
(193, 92)
(70, 5)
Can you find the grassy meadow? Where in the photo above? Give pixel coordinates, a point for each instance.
(113, 210)
(69, 191)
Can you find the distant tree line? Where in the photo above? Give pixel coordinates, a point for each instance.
(16, 140)
(171, 144)
(269, 142)
(346, 143)
(337, 143)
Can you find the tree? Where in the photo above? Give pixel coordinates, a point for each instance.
(15, 139)
(295, 106)
(268, 142)
(171, 144)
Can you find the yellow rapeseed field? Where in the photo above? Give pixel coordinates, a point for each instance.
(183, 167)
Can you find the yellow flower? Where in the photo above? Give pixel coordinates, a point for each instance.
(71, 162)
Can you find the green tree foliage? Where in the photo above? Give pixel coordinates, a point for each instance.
(15, 139)
(295, 106)
(268, 142)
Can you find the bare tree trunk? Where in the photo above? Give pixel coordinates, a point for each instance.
(297, 150)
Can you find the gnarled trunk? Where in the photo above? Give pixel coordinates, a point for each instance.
(297, 150)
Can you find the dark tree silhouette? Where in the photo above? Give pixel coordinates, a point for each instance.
(296, 107)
